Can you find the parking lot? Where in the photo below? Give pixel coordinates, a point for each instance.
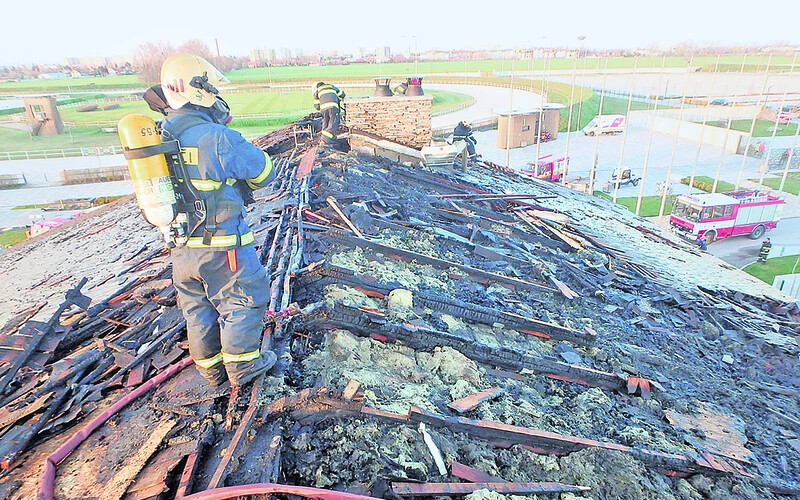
(689, 156)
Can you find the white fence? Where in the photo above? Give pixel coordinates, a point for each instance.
(709, 134)
(60, 153)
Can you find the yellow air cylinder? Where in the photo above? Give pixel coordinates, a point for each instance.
(150, 174)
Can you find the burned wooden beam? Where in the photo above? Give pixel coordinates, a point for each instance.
(554, 442)
(118, 484)
(478, 274)
(331, 201)
(452, 489)
(373, 323)
(472, 401)
(466, 473)
(34, 331)
(446, 304)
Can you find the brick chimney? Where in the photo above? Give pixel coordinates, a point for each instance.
(402, 119)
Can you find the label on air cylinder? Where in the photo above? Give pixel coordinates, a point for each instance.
(155, 191)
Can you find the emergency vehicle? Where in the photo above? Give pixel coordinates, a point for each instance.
(718, 215)
(605, 124)
(548, 168)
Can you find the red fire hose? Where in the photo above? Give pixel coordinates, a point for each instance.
(48, 480)
(270, 488)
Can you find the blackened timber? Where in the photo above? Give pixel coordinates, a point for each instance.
(15, 444)
(460, 489)
(553, 442)
(333, 274)
(478, 274)
(373, 323)
(72, 297)
(479, 250)
(438, 182)
(487, 225)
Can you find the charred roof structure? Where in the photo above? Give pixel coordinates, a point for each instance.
(469, 334)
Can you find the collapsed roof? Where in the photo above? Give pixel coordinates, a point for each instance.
(549, 342)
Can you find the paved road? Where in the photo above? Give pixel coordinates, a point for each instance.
(688, 157)
(722, 85)
(487, 100)
(741, 251)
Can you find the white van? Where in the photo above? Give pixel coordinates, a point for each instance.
(605, 124)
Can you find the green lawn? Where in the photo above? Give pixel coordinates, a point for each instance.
(241, 103)
(650, 204)
(763, 128)
(484, 66)
(591, 106)
(72, 114)
(12, 237)
(767, 271)
(75, 84)
(705, 183)
(244, 103)
(792, 184)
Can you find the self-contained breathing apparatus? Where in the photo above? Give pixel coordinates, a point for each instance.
(167, 198)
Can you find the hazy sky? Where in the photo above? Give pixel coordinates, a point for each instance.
(49, 30)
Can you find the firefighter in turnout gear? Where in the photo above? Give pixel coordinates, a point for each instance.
(329, 100)
(763, 253)
(223, 290)
(400, 89)
(463, 132)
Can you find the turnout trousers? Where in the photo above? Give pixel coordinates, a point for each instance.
(224, 311)
(331, 119)
(470, 148)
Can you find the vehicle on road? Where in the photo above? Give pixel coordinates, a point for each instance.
(605, 124)
(548, 168)
(620, 177)
(715, 216)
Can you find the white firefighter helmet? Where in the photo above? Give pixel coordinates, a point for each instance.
(187, 78)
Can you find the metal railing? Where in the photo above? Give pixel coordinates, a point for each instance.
(60, 153)
(452, 109)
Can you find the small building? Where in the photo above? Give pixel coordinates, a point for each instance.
(43, 116)
(526, 125)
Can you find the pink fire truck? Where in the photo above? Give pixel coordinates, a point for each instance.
(548, 168)
(717, 215)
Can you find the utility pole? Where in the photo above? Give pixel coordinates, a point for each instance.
(510, 117)
(216, 42)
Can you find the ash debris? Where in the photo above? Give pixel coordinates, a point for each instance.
(606, 351)
(639, 314)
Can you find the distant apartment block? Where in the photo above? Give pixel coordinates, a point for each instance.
(383, 54)
(259, 57)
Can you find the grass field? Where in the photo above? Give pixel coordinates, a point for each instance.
(12, 237)
(792, 184)
(650, 204)
(763, 128)
(486, 67)
(591, 107)
(241, 103)
(767, 271)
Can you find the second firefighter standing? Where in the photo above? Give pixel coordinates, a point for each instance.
(463, 132)
(763, 252)
(329, 100)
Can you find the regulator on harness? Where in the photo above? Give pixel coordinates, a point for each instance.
(166, 197)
